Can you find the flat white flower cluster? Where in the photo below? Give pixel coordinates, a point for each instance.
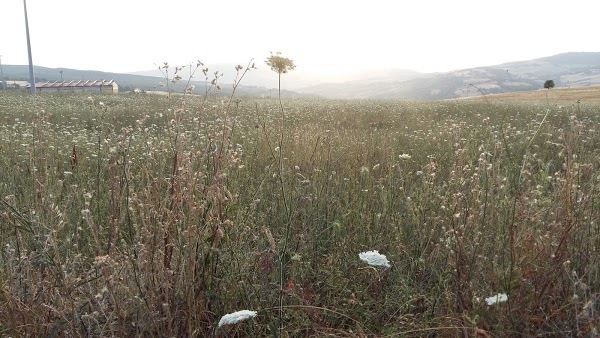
(374, 258)
(236, 317)
(499, 298)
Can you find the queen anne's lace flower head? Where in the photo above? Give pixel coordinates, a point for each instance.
(499, 298)
(374, 258)
(236, 317)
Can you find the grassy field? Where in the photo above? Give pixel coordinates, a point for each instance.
(143, 215)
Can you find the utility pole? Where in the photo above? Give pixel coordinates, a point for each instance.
(2, 75)
(31, 77)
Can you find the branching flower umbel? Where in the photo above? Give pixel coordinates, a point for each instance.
(236, 317)
(374, 258)
(499, 298)
(280, 65)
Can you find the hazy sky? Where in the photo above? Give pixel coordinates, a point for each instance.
(319, 35)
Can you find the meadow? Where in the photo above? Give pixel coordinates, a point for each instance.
(147, 215)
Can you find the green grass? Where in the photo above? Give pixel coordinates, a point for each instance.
(149, 216)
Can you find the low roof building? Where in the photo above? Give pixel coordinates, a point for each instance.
(90, 85)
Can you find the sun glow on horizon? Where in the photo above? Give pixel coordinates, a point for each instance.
(321, 37)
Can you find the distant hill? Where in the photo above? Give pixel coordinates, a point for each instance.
(568, 69)
(374, 84)
(128, 82)
(263, 76)
(43, 74)
(260, 77)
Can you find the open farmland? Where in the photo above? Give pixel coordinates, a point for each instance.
(140, 215)
(549, 97)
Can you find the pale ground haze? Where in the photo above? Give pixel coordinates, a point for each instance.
(320, 36)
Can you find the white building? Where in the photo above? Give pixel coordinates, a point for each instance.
(100, 86)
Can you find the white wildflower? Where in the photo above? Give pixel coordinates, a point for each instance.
(405, 157)
(236, 317)
(499, 298)
(374, 258)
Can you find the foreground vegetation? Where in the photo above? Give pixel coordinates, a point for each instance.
(142, 215)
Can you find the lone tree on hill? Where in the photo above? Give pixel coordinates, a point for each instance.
(280, 65)
(549, 84)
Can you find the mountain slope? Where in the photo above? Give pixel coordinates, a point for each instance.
(263, 76)
(568, 69)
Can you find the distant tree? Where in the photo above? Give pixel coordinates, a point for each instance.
(549, 84)
(280, 65)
